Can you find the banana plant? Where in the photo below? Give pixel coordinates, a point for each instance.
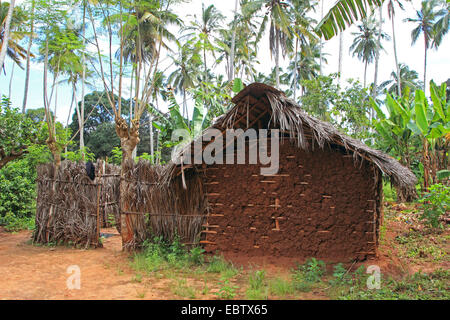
(394, 132)
(396, 128)
(433, 125)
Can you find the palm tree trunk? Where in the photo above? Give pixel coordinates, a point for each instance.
(277, 58)
(10, 81)
(365, 72)
(321, 42)
(6, 33)
(295, 69)
(399, 85)
(341, 47)
(233, 44)
(377, 56)
(27, 75)
(425, 65)
(83, 80)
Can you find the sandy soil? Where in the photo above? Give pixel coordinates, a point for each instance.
(32, 272)
(40, 272)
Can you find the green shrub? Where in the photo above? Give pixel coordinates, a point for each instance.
(158, 254)
(435, 204)
(226, 290)
(17, 195)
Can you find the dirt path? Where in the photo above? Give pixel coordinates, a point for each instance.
(32, 272)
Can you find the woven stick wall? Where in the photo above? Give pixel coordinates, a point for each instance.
(71, 207)
(66, 209)
(158, 206)
(109, 177)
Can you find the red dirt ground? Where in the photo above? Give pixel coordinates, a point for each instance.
(40, 272)
(32, 272)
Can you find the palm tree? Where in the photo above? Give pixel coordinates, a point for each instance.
(244, 37)
(391, 14)
(5, 24)
(409, 80)
(186, 75)
(303, 35)
(305, 66)
(280, 31)
(364, 45)
(13, 31)
(205, 30)
(28, 63)
(441, 25)
(425, 19)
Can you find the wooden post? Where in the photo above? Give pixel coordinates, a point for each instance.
(99, 188)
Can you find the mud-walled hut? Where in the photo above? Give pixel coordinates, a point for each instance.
(324, 201)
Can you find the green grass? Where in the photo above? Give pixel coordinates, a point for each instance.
(419, 286)
(258, 288)
(281, 287)
(416, 246)
(181, 289)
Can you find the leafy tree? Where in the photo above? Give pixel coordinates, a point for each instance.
(17, 132)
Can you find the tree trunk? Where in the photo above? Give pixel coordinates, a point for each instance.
(83, 80)
(399, 85)
(377, 56)
(11, 81)
(365, 72)
(277, 58)
(6, 33)
(128, 141)
(425, 65)
(321, 41)
(233, 44)
(295, 68)
(27, 74)
(341, 46)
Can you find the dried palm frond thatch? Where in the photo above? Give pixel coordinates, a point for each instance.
(69, 207)
(157, 205)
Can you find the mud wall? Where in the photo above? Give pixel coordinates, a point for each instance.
(320, 204)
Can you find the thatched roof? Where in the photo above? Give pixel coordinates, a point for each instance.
(262, 106)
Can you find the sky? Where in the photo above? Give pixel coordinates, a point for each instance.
(413, 55)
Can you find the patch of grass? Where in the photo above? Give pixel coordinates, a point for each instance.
(415, 245)
(258, 289)
(181, 289)
(218, 264)
(141, 294)
(419, 286)
(159, 255)
(281, 287)
(137, 278)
